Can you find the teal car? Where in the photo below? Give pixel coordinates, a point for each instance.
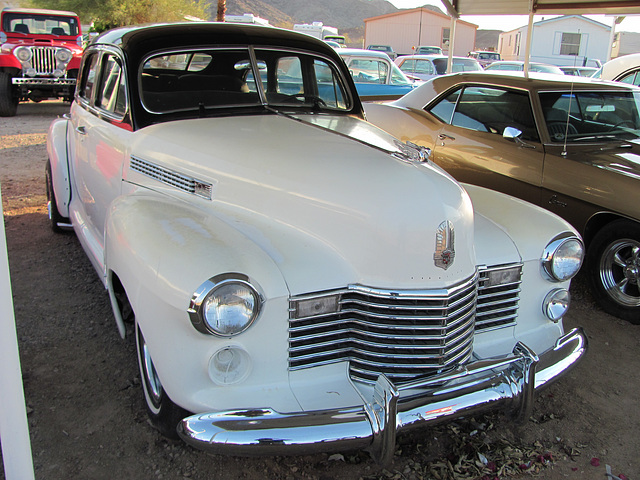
(375, 75)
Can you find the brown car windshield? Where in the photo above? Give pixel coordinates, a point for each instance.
(584, 116)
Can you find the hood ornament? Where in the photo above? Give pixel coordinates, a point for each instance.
(412, 152)
(445, 251)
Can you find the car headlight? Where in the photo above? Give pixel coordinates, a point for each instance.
(562, 258)
(63, 55)
(23, 54)
(225, 305)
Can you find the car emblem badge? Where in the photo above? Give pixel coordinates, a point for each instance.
(445, 251)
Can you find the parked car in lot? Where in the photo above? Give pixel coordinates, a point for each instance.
(579, 71)
(297, 280)
(428, 50)
(485, 58)
(425, 67)
(505, 65)
(568, 144)
(384, 48)
(40, 53)
(375, 75)
(625, 69)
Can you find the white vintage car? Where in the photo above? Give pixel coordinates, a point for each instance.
(298, 280)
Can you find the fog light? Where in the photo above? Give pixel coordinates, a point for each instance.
(31, 72)
(229, 365)
(556, 304)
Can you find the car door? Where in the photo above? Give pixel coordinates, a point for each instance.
(489, 138)
(100, 138)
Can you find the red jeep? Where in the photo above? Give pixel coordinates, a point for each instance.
(39, 56)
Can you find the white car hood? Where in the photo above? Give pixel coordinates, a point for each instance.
(327, 209)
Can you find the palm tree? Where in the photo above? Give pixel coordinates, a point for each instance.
(222, 7)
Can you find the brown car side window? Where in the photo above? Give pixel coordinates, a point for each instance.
(488, 109)
(444, 108)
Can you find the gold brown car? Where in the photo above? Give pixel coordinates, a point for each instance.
(571, 145)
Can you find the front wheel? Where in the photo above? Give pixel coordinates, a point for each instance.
(8, 98)
(613, 263)
(163, 413)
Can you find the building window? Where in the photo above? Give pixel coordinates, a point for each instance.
(570, 44)
(446, 32)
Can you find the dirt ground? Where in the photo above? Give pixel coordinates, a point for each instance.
(86, 413)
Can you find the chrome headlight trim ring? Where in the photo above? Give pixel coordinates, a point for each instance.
(562, 258)
(556, 304)
(236, 295)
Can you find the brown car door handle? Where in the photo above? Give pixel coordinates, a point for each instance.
(443, 136)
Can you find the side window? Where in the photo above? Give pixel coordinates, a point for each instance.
(424, 66)
(89, 76)
(492, 110)
(632, 78)
(289, 76)
(444, 108)
(330, 90)
(368, 71)
(111, 91)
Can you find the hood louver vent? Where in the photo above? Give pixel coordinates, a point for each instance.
(174, 179)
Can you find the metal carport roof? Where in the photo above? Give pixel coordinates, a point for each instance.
(456, 8)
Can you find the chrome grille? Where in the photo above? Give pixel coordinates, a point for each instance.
(498, 303)
(171, 178)
(403, 334)
(44, 60)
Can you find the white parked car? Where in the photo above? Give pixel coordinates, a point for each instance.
(296, 279)
(625, 69)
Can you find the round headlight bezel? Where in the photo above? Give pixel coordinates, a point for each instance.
(64, 55)
(562, 258)
(225, 305)
(23, 54)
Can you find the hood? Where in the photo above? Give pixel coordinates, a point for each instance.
(328, 199)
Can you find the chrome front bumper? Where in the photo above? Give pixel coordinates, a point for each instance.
(505, 383)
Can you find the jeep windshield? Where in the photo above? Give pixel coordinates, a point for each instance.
(588, 116)
(28, 23)
(212, 79)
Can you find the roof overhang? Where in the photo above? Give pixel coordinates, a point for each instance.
(455, 8)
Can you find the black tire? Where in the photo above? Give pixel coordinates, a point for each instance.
(55, 219)
(163, 413)
(613, 268)
(8, 98)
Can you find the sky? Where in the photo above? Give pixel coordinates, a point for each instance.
(510, 22)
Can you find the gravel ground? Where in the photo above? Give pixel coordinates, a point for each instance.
(86, 413)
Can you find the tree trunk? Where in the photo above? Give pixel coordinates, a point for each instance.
(222, 8)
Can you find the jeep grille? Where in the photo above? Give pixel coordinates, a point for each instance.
(44, 60)
(404, 334)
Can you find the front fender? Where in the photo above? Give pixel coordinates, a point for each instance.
(166, 249)
(530, 227)
(59, 158)
(162, 250)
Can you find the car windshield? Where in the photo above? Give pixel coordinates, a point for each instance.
(210, 79)
(585, 116)
(30, 23)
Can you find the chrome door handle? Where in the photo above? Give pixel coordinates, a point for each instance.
(81, 130)
(444, 136)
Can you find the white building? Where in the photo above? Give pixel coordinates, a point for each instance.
(407, 29)
(566, 40)
(625, 43)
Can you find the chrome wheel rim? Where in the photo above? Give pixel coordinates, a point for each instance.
(152, 383)
(620, 272)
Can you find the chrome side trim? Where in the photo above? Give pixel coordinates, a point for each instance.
(506, 383)
(173, 179)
